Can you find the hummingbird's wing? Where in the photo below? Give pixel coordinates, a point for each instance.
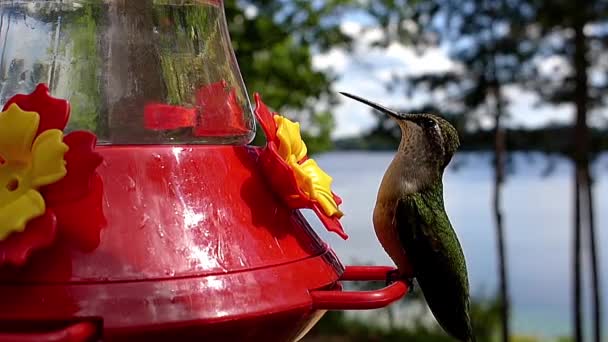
(437, 260)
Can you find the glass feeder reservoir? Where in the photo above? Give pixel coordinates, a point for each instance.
(135, 72)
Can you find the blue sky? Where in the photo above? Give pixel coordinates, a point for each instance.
(365, 70)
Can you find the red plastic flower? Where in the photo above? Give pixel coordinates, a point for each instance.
(216, 112)
(221, 112)
(65, 197)
(298, 180)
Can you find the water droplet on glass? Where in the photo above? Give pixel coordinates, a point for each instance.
(130, 183)
(144, 221)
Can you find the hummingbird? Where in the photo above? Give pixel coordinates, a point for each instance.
(411, 222)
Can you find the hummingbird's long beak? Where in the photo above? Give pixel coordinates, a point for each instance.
(377, 106)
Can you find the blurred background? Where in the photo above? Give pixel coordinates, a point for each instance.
(524, 81)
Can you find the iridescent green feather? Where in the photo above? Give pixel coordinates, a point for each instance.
(437, 258)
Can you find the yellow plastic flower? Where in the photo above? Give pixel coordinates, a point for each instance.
(27, 163)
(310, 172)
(312, 180)
(292, 147)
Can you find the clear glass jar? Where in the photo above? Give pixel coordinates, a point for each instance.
(134, 71)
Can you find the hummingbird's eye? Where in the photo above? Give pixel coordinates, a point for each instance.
(428, 123)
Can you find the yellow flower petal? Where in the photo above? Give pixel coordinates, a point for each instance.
(290, 139)
(312, 177)
(321, 180)
(27, 165)
(48, 165)
(303, 179)
(16, 214)
(328, 204)
(17, 131)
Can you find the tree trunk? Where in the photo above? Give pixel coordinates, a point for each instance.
(583, 181)
(576, 262)
(499, 176)
(595, 278)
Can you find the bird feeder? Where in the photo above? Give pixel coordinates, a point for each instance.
(132, 207)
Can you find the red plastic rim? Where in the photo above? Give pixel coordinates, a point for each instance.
(360, 300)
(78, 332)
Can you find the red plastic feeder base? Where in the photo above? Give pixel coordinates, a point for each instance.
(194, 246)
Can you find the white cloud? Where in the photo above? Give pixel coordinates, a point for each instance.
(354, 118)
(364, 34)
(553, 67)
(251, 11)
(524, 111)
(336, 59)
(433, 60)
(366, 70)
(370, 35)
(351, 28)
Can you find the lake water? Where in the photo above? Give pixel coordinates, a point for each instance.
(538, 224)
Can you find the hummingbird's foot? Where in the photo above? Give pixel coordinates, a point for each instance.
(393, 276)
(410, 285)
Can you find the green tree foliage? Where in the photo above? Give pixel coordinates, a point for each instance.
(274, 43)
(554, 32)
(485, 39)
(82, 29)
